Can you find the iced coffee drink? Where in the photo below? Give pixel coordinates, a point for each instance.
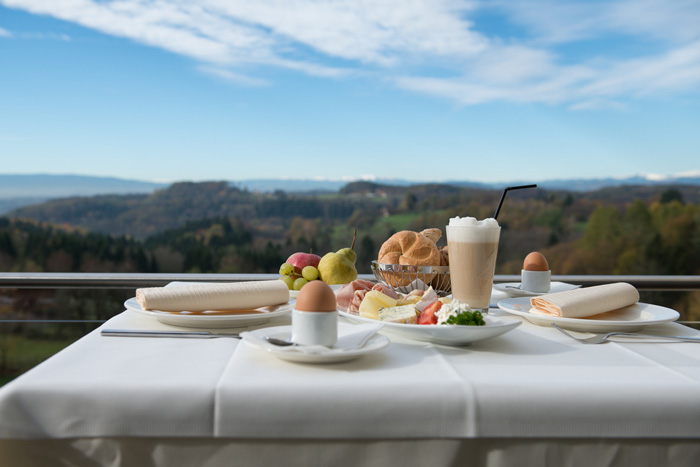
(473, 246)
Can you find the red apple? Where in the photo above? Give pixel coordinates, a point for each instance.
(301, 260)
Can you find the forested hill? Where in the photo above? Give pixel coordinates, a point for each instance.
(141, 215)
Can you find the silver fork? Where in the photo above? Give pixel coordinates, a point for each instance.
(600, 338)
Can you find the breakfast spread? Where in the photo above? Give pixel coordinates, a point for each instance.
(535, 275)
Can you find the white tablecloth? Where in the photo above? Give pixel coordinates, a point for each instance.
(530, 384)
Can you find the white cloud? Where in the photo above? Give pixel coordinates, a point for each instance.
(598, 104)
(656, 177)
(688, 174)
(46, 36)
(233, 77)
(585, 86)
(5, 33)
(556, 21)
(428, 46)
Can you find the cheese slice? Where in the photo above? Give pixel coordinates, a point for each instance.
(373, 301)
(405, 314)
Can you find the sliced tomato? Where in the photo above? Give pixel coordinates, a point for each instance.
(427, 316)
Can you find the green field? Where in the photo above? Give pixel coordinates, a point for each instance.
(400, 221)
(19, 354)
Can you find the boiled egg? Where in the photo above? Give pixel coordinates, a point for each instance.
(316, 296)
(535, 261)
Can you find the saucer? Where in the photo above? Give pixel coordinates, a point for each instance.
(257, 337)
(512, 289)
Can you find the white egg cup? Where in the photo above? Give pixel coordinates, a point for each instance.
(315, 327)
(535, 281)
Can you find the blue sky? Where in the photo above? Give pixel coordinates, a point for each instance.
(423, 90)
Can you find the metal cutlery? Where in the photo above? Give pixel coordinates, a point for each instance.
(600, 338)
(190, 334)
(280, 342)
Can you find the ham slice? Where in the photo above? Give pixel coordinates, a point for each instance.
(344, 296)
(429, 296)
(354, 307)
(386, 290)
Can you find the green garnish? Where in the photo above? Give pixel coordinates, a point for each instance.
(467, 318)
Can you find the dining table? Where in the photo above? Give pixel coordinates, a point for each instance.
(530, 396)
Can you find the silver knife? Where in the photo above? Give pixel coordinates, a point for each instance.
(190, 334)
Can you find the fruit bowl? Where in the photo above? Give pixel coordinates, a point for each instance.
(404, 278)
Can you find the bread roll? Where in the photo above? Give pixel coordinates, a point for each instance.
(411, 249)
(444, 256)
(432, 234)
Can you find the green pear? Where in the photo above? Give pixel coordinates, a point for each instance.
(339, 267)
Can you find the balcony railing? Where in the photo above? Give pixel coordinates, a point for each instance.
(30, 280)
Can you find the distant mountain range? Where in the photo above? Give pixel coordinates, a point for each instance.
(18, 190)
(580, 184)
(61, 186)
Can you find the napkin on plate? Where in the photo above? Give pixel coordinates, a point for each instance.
(589, 301)
(350, 337)
(202, 297)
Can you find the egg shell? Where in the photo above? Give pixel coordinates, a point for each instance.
(316, 296)
(535, 261)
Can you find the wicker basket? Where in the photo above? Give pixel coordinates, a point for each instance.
(407, 278)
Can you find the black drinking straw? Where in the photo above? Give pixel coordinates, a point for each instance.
(503, 196)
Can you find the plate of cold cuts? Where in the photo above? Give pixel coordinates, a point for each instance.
(349, 296)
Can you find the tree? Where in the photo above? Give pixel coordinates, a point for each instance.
(671, 194)
(409, 201)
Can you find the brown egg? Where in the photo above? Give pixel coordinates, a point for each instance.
(316, 296)
(535, 261)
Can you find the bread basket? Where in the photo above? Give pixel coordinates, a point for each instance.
(407, 278)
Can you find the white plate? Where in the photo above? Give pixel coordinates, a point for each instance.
(209, 319)
(512, 289)
(630, 318)
(376, 342)
(444, 334)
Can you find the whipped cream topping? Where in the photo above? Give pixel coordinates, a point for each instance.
(488, 223)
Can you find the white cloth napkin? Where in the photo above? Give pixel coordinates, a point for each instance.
(350, 337)
(589, 301)
(202, 297)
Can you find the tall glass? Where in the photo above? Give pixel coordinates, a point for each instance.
(473, 246)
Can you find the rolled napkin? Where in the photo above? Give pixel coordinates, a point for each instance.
(589, 301)
(203, 297)
(350, 337)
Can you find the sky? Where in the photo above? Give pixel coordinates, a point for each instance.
(425, 90)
